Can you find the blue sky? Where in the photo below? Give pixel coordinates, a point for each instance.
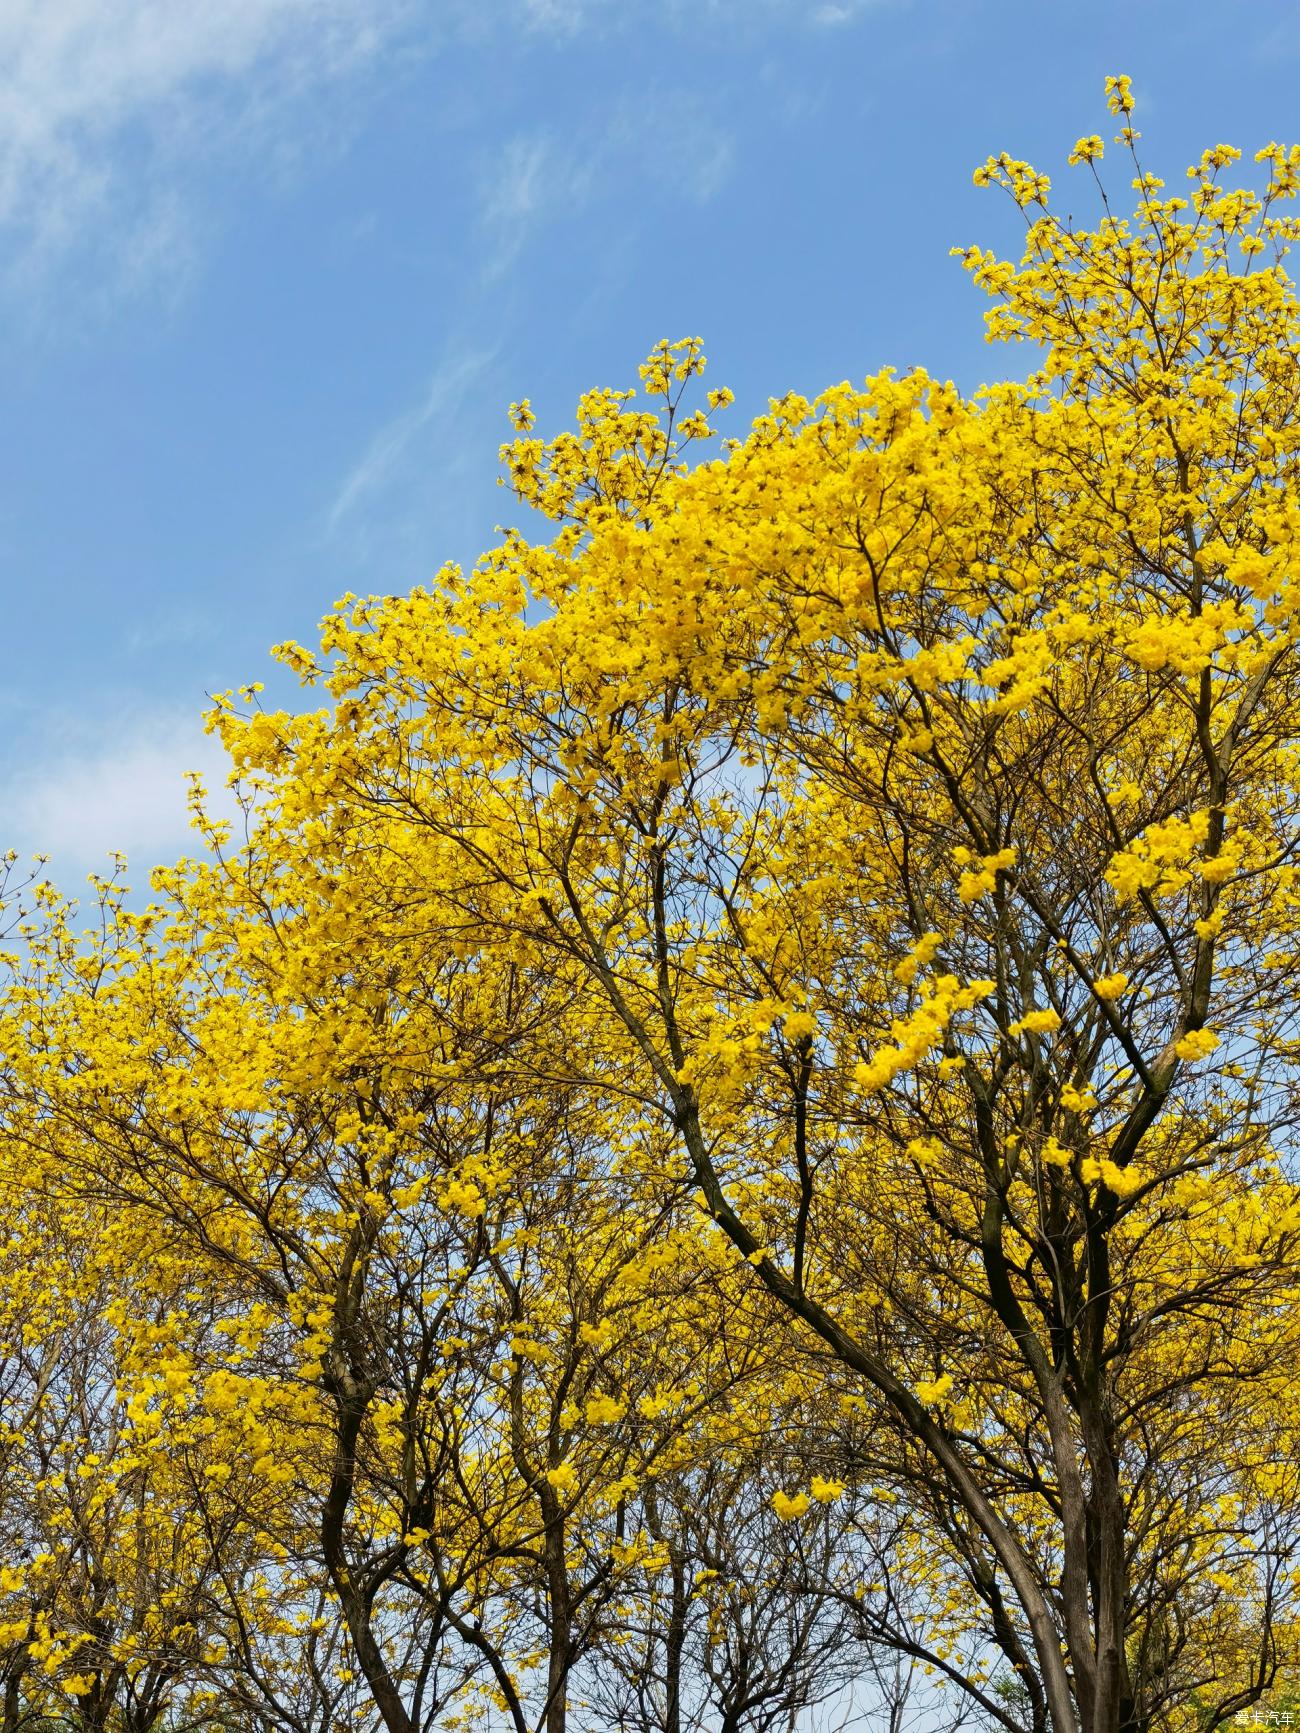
(270, 271)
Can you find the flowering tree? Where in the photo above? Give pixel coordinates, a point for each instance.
(868, 860)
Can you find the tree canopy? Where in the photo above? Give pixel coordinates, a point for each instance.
(725, 1124)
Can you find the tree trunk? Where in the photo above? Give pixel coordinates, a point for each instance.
(559, 1649)
(674, 1643)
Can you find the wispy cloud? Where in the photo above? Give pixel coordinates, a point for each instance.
(566, 17)
(388, 451)
(409, 490)
(114, 110)
(694, 151)
(111, 105)
(121, 788)
(531, 178)
(563, 15)
(542, 177)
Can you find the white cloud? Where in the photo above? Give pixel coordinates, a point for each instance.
(566, 17)
(519, 186)
(694, 152)
(110, 104)
(531, 178)
(114, 109)
(563, 15)
(123, 789)
(537, 178)
(386, 455)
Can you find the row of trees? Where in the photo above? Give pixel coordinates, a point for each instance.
(230, 1495)
(724, 1126)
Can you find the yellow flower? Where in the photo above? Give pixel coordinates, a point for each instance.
(932, 1394)
(789, 1508)
(1123, 1181)
(604, 1410)
(1119, 98)
(921, 953)
(1196, 1044)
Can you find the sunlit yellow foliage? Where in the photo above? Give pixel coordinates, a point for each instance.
(774, 1001)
